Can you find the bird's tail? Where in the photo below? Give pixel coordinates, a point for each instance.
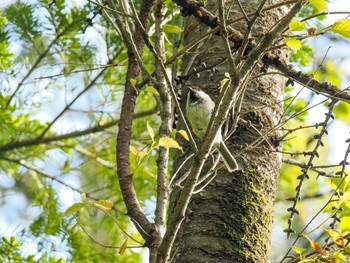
(227, 157)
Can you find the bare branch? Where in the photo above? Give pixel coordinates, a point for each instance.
(197, 10)
(146, 228)
(304, 175)
(166, 111)
(303, 165)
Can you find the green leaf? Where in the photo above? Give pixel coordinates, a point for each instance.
(342, 27)
(123, 247)
(299, 250)
(340, 256)
(171, 29)
(342, 111)
(293, 44)
(320, 5)
(297, 25)
(152, 90)
(150, 131)
(5, 56)
(74, 208)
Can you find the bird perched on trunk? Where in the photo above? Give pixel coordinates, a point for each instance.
(199, 108)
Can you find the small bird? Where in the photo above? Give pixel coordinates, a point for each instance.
(199, 108)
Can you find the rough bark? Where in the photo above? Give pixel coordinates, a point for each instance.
(231, 219)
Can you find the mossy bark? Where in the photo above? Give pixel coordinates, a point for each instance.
(231, 219)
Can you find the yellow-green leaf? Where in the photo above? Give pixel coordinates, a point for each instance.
(123, 247)
(297, 25)
(133, 82)
(104, 204)
(320, 5)
(184, 134)
(347, 249)
(83, 197)
(169, 142)
(299, 250)
(293, 44)
(152, 90)
(136, 152)
(223, 82)
(339, 255)
(171, 29)
(74, 208)
(342, 27)
(342, 111)
(150, 131)
(150, 174)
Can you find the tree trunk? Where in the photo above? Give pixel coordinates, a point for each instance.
(231, 219)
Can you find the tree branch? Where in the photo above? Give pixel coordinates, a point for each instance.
(39, 140)
(146, 228)
(320, 171)
(190, 7)
(164, 131)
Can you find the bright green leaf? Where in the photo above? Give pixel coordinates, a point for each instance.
(74, 208)
(297, 25)
(3, 20)
(320, 5)
(293, 44)
(299, 250)
(345, 226)
(342, 111)
(171, 29)
(342, 27)
(339, 255)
